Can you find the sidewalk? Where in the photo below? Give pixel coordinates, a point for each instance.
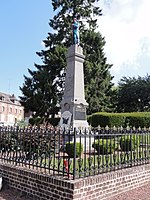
(9, 194)
(141, 193)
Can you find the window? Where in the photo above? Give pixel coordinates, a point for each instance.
(10, 110)
(2, 98)
(3, 108)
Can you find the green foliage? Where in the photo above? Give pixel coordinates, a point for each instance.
(138, 120)
(114, 99)
(133, 94)
(21, 124)
(104, 146)
(66, 10)
(107, 119)
(9, 141)
(89, 118)
(97, 76)
(43, 90)
(54, 121)
(70, 149)
(38, 144)
(39, 120)
(34, 144)
(134, 119)
(35, 121)
(129, 142)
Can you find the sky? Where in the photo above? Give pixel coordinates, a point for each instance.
(125, 26)
(24, 24)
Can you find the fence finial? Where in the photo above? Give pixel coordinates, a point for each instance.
(107, 128)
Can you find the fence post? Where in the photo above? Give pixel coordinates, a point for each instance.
(74, 158)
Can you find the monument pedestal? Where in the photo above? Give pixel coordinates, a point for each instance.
(73, 104)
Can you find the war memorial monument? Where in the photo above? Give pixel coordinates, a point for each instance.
(73, 104)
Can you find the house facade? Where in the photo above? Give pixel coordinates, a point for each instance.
(11, 109)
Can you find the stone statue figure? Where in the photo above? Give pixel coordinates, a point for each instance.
(75, 25)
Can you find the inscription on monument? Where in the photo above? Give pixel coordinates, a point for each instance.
(80, 112)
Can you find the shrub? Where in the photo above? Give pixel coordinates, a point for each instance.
(70, 149)
(8, 141)
(138, 120)
(38, 144)
(54, 121)
(104, 146)
(110, 119)
(89, 119)
(35, 120)
(21, 124)
(134, 119)
(129, 142)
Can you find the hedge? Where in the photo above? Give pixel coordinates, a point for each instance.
(135, 119)
(138, 121)
(107, 119)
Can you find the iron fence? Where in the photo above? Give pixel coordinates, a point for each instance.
(75, 154)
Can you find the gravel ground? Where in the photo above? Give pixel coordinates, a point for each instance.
(141, 193)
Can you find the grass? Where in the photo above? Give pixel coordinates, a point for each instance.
(92, 164)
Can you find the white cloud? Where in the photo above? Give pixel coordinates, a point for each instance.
(124, 25)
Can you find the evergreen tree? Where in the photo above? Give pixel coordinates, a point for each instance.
(134, 94)
(43, 91)
(97, 76)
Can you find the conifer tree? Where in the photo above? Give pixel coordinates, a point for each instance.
(43, 91)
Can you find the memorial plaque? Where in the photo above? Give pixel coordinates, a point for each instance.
(80, 112)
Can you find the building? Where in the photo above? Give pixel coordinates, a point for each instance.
(11, 109)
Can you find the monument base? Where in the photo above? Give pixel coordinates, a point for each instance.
(80, 124)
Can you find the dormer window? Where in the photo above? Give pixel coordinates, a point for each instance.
(2, 98)
(13, 98)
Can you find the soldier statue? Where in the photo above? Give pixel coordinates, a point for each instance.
(76, 39)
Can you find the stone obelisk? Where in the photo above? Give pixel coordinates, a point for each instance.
(73, 104)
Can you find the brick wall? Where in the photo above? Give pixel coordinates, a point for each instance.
(43, 187)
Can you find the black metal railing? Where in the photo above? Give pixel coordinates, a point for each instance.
(75, 154)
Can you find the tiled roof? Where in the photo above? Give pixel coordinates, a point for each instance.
(7, 98)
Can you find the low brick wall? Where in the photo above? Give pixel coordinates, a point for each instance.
(43, 187)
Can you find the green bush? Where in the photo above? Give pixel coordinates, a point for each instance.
(9, 141)
(35, 120)
(38, 144)
(134, 119)
(89, 119)
(104, 146)
(39, 120)
(129, 142)
(107, 119)
(54, 121)
(70, 149)
(21, 124)
(138, 121)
